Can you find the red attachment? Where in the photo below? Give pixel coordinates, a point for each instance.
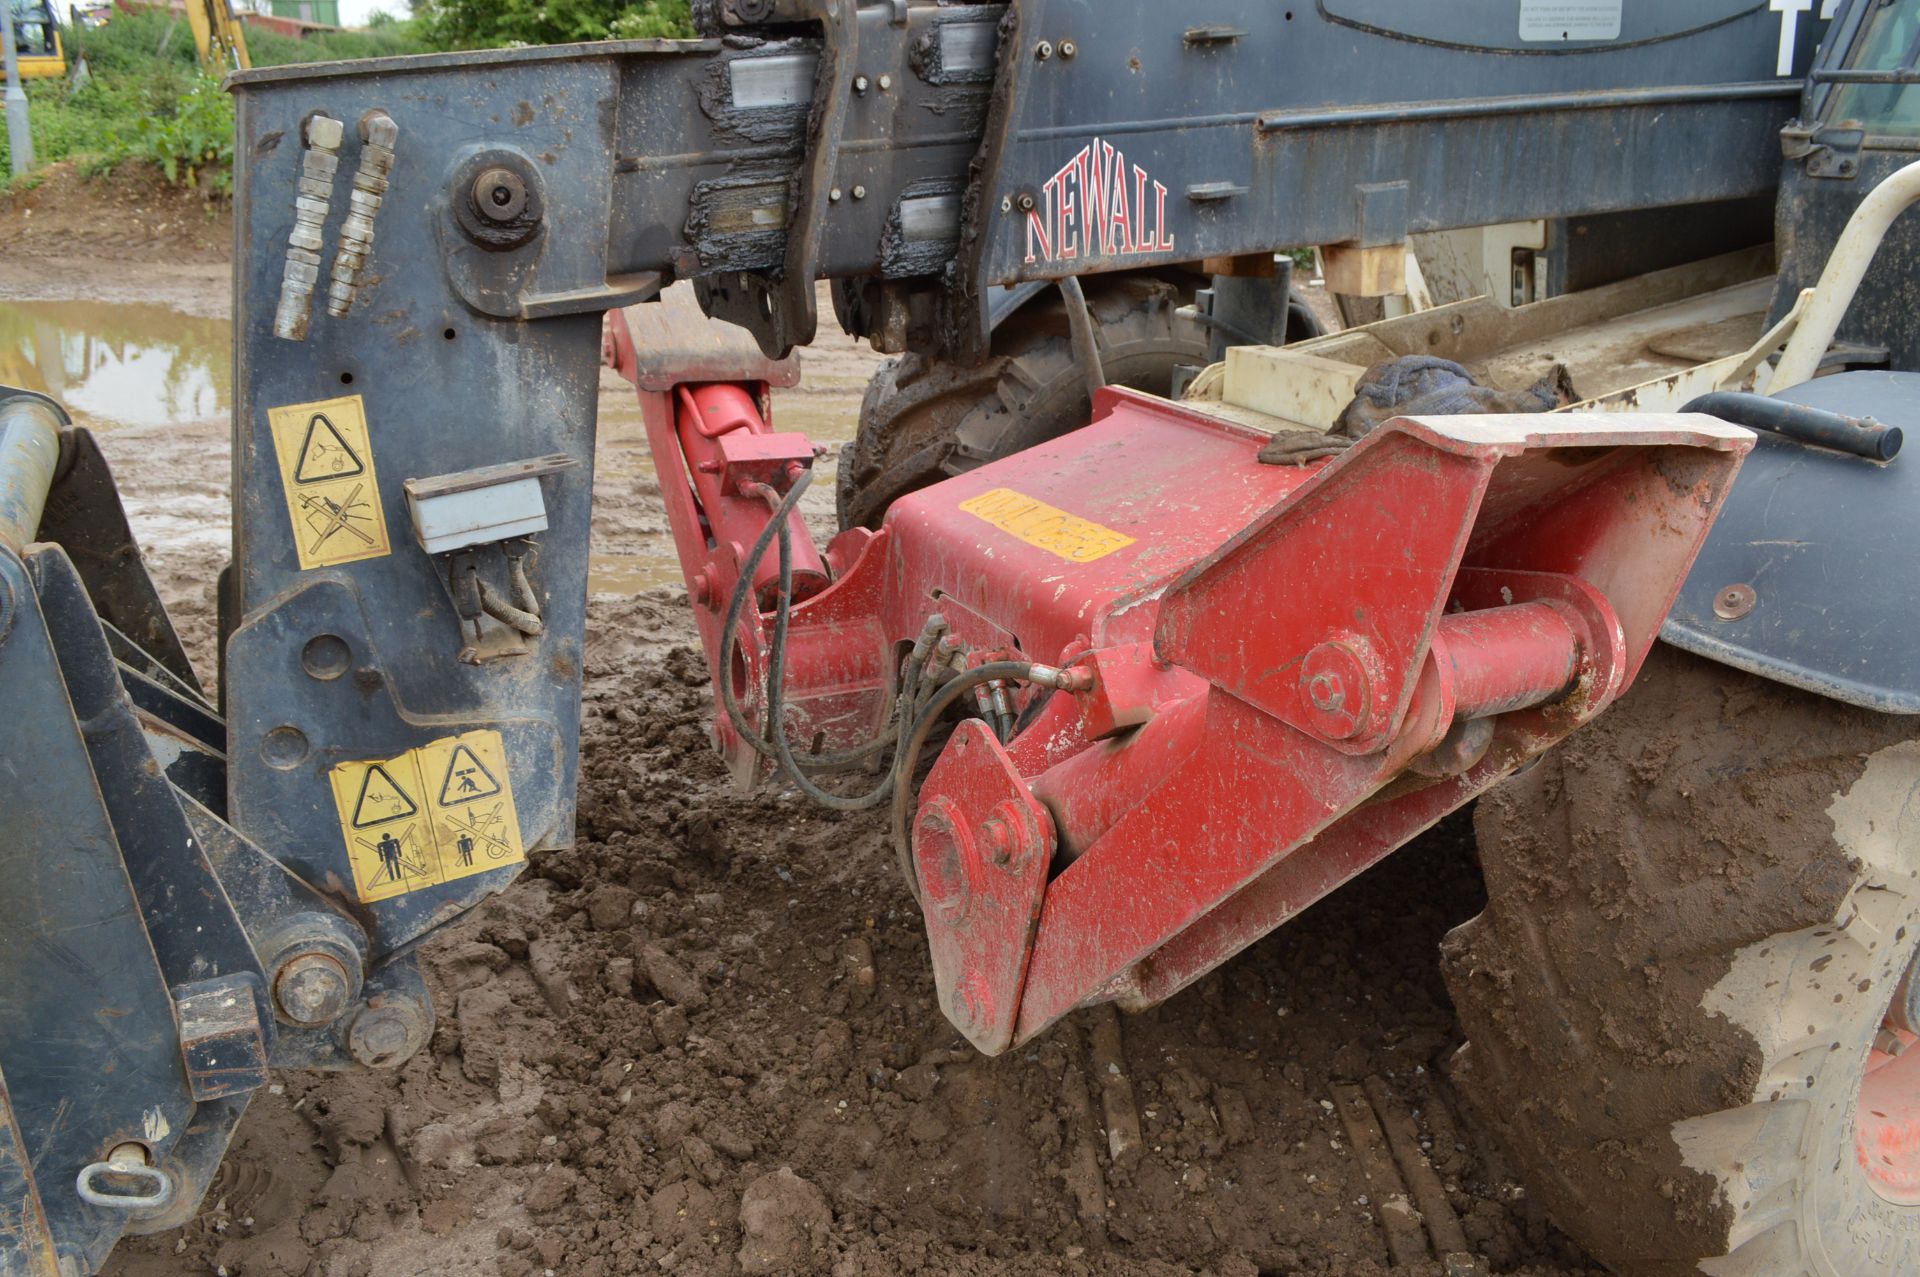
(981, 848)
(729, 446)
(1294, 670)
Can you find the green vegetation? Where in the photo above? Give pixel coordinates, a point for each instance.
(478, 24)
(145, 97)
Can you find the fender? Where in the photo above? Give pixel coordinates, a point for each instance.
(1810, 578)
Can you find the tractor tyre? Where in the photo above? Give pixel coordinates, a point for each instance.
(924, 420)
(1682, 1001)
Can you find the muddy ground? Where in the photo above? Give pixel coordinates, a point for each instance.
(704, 1041)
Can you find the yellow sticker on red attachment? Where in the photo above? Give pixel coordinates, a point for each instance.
(1046, 527)
(432, 815)
(326, 471)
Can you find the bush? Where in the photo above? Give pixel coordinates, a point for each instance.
(146, 96)
(196, 135)
(473, 24)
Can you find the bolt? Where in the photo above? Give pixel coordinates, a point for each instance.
(859, 192)
(312, 989)
(860, 84)
(499, 194)
(833, 196)
(1327, 692)
(999, 839)
(1043, 50)
(1067, 49)
(386, 1032)
(1026, 202)
(965, 1008)
(886, 82)
(325, 132)
(1734, 602)
(1006, 204)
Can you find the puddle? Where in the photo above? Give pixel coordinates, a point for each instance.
(632, 573)
(115, 364)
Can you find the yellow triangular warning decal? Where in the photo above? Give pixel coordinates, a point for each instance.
(381, 799)
(326, 454)
(468, 779)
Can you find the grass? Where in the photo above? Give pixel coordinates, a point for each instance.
(146, 98)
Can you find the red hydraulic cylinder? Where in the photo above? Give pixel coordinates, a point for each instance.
(733, 457)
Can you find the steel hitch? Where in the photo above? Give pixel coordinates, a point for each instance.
(1223, 689)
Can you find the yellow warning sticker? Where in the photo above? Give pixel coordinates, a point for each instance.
(1073, 538)
(326, 469)
(434, 814)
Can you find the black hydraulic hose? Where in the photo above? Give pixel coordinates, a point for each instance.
(776, 680)
(736, 607)
(1859, 436)
(909, 756)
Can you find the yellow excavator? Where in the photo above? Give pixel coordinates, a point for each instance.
(36, 39)
(217, 33)
(220, 37)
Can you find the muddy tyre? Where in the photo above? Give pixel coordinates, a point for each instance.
(1698, 911)
(924, 420)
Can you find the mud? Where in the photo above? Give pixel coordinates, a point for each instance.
(704, 1041)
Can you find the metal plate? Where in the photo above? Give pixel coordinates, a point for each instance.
(1825, 542)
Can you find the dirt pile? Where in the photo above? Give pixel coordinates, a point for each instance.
(132, 217)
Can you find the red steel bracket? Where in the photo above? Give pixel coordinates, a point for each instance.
(981, 848)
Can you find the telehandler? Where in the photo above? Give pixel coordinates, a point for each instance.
(1130, 695)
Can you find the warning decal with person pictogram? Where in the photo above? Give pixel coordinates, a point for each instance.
(399, 837)
(467, 779)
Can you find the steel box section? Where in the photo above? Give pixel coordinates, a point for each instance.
(1370, 124)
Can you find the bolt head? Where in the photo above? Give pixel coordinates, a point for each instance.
(325, 133)
(499, 194)
(312, 989)
(1043, 50)
(383, 1036)
(1734, 602)
(378, 128)
(834, 196)
(1336, 688)
(859, 192)
(859, 84)
(1068, 48)
(886, 82)
(1026, 203)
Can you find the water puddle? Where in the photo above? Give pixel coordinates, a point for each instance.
(116, 364)
(632, 573)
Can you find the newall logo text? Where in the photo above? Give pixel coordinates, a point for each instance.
(1098, 205)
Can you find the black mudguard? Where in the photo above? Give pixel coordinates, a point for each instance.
(1827, 545)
